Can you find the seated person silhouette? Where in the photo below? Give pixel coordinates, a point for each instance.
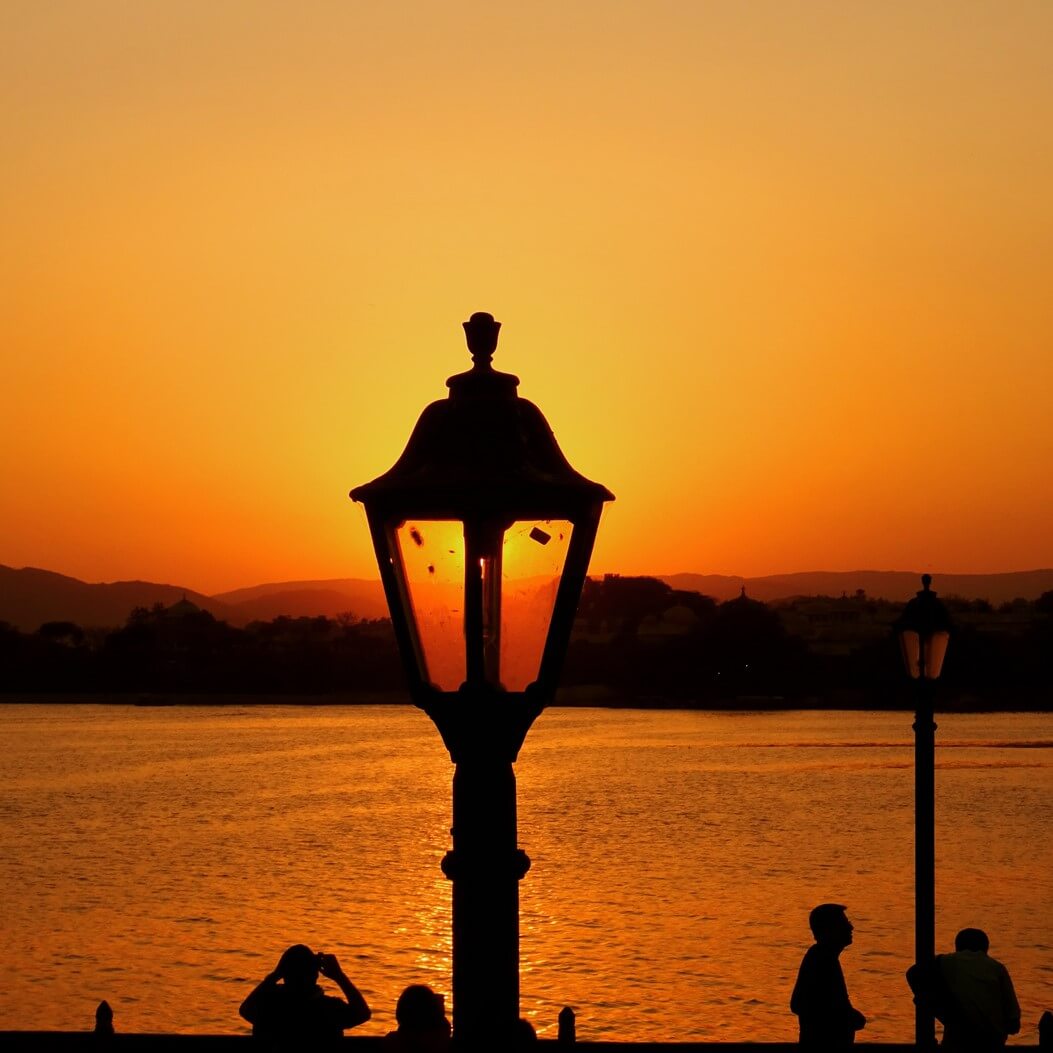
(970, 993)
(828, 1019)
(422, 1023)
(296, 1013)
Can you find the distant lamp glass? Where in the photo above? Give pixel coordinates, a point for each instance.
(924, 632)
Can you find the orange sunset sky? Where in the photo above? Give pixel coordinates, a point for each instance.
(780, 274)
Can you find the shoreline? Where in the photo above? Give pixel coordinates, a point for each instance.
(569, 698)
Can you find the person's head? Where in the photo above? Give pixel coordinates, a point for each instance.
(830, 925)
(1045, 1030)
(420, 1009)
(298, 966)
(972, 940)
(523, 1034)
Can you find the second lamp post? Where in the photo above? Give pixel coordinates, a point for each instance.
(924, 630)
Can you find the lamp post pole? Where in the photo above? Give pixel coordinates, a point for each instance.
(924, 632)
(485, 865)
(924, 848)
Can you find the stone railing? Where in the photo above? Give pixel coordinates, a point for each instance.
(88, 1042)
(104, 1040)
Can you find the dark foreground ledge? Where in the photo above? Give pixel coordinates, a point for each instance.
(87, 1042)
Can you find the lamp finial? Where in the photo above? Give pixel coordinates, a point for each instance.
(481, 332)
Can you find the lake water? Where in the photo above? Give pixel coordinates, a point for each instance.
(163, 858)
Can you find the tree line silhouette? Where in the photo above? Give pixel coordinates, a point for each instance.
(637, 638)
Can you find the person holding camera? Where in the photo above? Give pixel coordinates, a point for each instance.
(289, 1010)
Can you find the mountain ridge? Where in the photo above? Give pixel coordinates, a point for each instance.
(893, 585)
(30, 596)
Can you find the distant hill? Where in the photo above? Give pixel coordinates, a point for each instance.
(896, 585)
(30, 596)
(364, 599)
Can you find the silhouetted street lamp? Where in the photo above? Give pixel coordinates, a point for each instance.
(483, 534)
(924, 630)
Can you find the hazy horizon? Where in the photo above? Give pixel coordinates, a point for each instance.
(593, 573)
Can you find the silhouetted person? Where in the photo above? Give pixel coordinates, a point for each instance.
(524, 1036)
(820, 997)
(973, 996)
(422, 1023)
(1045, 1031)
(296, 1014)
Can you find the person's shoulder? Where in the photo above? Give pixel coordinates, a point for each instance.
(814, 959)
(336, 1011)
(273, 997)
(332, 1003)
(818, 953)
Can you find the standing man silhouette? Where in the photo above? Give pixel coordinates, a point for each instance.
(820, 997)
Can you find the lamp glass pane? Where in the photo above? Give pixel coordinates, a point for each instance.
(935, 652)
(910, 645)
(533, 556)
(433, 557)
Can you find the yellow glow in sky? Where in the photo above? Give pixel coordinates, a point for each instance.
(777, 274)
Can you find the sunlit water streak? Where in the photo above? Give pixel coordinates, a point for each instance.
(162, 859)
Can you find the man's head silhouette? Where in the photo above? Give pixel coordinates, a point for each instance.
(972, 940)
(298, 966)
(830, 925)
